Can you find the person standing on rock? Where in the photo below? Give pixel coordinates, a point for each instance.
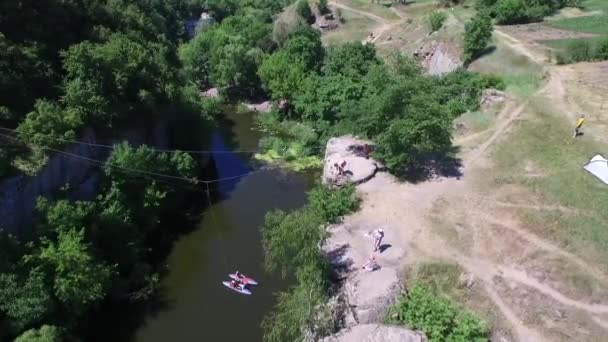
(579, 124)
(378, 235)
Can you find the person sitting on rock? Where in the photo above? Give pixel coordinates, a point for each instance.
(371, 264)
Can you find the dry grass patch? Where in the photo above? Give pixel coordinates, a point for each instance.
(549, 145)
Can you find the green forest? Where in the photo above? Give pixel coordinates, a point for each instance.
(70, 64)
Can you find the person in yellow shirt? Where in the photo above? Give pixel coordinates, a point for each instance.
(579, 124)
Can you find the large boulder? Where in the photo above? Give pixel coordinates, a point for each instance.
(367, 295)
(376, 333)
(490, 97)
(438, 58)
(360, 167)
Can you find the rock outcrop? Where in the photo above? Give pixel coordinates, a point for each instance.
(376, 333)
(367, 294)
(211, 92)
(359, 166)
(490, 97)
(263, 107)
(438, 58)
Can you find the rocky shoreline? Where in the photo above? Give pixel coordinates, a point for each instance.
(365, 295)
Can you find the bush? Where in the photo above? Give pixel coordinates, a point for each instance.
(580, 50)
(601, 51)
(322, 5)
(477, 34)
(436, 20)
(46, 333)
(438, 317)
(511, 12)
(333, 204)
(303, 10)
(292, 240)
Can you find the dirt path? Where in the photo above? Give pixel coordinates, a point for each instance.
(384, 25)
(408, 213)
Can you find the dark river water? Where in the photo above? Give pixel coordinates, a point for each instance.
(199, 307)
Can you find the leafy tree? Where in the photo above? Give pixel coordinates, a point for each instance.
(332, 204)
(64, 215)
(221, 9)
(350, 59)
(290, 240)
(511, 12)
(303, 10)
(427, 129)
(304, 45)
(25, 300)
(46, 333)
(49, 122)
(79, 279)
(195, 57)
(117, 77)
(299, 312)
(436, 20)
(322, 97)
(477, 34)
(281, 76)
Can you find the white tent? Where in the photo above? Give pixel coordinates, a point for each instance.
(598, 166)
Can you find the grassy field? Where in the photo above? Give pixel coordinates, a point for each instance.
(521, 75)
(381, 9)
(562, 44)
(546, 142)
(595, 5)
(355, 28)
(597, 24)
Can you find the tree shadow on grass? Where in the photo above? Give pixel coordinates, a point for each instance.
(485, 52)
(440, 164)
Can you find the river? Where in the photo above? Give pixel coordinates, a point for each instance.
(197, 306)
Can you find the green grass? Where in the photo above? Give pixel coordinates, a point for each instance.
(441, 278)
(547, 142)
(521, 75)
(595, 5)
(355, 28)
(381, 9)
(597, 24)
(563, 44)
(476, 121)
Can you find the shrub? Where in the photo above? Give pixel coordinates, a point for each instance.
(511, 12)
(303, 10)
(601, 51)
(438, 317)
(477, 34)
(436, 20)
(322, 5)
(333, 204)
(579, 51)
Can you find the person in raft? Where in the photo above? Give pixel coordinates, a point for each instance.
(579, 124)
(378, 235)
(237, 284)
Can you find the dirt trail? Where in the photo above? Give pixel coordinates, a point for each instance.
(384, 26)
(407, 210)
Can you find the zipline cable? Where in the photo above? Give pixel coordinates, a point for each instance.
(102, 163)
(152, 149)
